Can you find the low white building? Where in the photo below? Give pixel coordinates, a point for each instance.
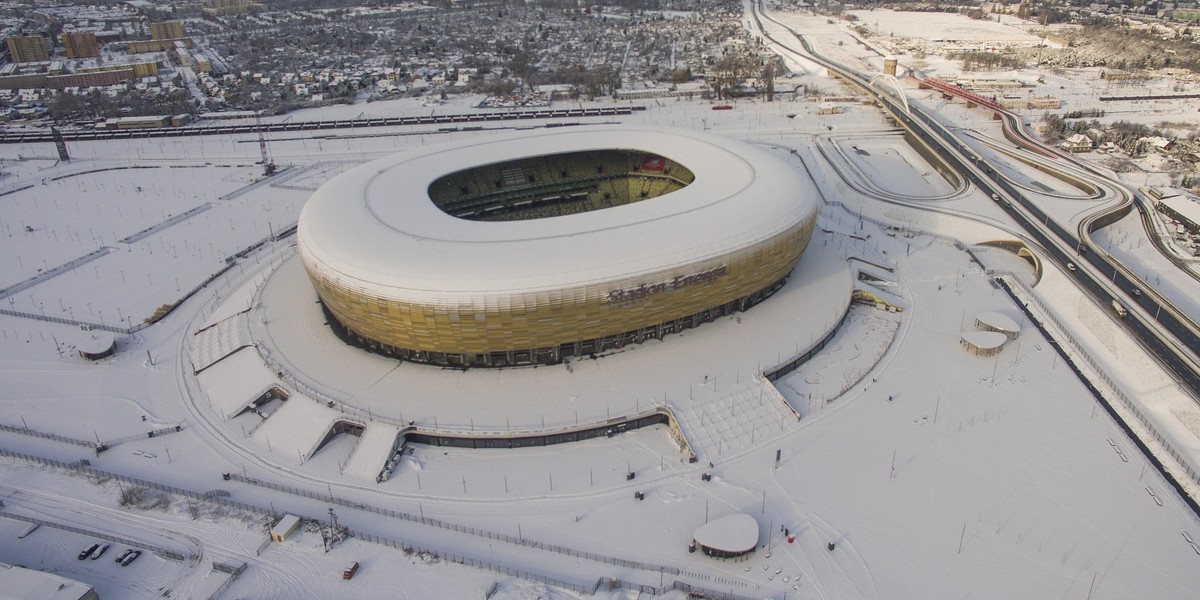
(19, 582)
(284, 528)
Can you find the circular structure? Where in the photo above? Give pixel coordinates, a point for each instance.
(527, 248)
(728, 537)
(998, 322)
(95, 344)
(984, 343)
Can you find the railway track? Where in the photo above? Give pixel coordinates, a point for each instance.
(19, 136)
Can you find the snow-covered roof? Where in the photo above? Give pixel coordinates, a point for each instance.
(985, 340)
(19, 582)
(1156, 141)
(1184, 205)
(733, 533)
(998, 322)
(95, 342)
(285, 526)
(375, 228)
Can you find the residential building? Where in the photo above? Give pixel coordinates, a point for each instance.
(81, 44)
(30, 48)
(166, 30)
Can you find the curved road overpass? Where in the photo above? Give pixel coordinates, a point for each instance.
(1169, 335)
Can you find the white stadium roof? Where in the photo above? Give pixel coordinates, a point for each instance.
(377, 229)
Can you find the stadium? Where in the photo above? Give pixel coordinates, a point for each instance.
(525, 248)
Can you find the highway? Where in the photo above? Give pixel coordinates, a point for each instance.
(1178, 355)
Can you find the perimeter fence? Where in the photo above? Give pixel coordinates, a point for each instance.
(473, 562)
(215, 496)
(1080, 353)
(219, 497)
(1115, 389)
(165, 552)
(473, 531)
(47, 436)
(234, 573)
(603, 582)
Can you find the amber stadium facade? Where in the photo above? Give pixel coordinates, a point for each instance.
(528, 248)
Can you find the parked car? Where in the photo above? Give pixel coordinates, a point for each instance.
(132, 557)
(88, 551)
(100, 552)
(122, 556)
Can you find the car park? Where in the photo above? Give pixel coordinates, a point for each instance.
(100, 552)
(88, 551)
(132, 557)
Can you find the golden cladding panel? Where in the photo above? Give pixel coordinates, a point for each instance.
(549, 318)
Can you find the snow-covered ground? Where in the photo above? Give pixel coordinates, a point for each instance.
(947, 27)
(932, 471)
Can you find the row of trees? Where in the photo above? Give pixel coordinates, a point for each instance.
(729, 75)
(1135, 49)
(975, 60)
(132, 103)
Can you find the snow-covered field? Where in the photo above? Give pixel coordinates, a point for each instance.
(951, 28)
(917, 469)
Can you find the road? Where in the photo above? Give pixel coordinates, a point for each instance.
(1061, 245)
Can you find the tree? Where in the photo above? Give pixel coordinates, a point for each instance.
(730, 72)
(772, 67)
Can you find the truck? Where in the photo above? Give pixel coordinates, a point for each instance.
(1119, 309)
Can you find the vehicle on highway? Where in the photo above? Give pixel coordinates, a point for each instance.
(1070, 266)
(88, 551)
(100, 552)
(132, 557)
(1119, 309)
(1136, 292)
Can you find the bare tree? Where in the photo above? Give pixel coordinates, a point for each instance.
(731, 72)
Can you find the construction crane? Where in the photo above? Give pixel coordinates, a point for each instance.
(267, 163)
